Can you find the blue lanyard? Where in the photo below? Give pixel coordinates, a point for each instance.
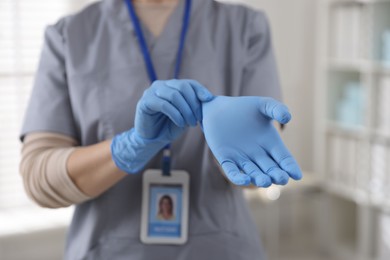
(166, 161)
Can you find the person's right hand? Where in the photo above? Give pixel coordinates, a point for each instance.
(167, 107)
(162, 115)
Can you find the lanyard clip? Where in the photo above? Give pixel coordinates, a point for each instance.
(166, 162)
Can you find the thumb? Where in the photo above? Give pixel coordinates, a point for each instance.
(273, 109)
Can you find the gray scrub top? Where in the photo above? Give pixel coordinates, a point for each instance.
(90, 77)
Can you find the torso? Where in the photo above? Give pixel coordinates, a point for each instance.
(106, 78)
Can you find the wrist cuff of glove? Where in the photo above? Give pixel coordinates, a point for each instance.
(131, 153)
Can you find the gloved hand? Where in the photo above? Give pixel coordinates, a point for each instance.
(240, 133)
(162, 115)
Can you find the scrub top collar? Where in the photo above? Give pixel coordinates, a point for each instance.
(166, 43)
(118, 10)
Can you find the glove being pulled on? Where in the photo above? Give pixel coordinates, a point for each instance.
(164, 111)
(240, 133)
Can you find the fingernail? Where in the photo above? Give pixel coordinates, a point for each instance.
(262, 182)
(239, 181)
(207, 96)
(286, 118)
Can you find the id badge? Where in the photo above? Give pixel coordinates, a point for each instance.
(165, 199)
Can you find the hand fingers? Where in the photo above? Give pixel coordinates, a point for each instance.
(269, 167)
(176, 98)
(256, 174)
(154, 105)
(234, 174)
(291, 166)
(190, 96)
(274, 110)
(284, 159)
(203, 94)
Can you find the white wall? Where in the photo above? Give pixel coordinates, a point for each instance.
(293, 28)
(34, 245)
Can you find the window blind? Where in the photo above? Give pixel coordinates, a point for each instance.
(22, 25)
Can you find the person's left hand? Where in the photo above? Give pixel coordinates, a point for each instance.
(240, 134)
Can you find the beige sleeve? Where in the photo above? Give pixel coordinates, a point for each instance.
(44, 171)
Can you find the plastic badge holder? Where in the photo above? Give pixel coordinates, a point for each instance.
(165, 199)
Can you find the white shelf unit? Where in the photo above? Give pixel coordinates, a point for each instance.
(353, 126)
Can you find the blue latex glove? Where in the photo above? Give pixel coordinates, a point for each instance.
(240, 133)
(162, 115)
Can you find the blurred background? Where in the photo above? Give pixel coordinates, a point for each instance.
(334, 63)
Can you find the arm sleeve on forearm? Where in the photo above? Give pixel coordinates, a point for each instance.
(44, 171)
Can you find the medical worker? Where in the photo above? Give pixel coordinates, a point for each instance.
(118, 82)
